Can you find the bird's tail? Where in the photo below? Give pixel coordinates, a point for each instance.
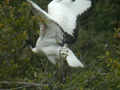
(72, 60)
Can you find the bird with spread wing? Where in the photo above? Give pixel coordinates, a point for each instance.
(59, 29)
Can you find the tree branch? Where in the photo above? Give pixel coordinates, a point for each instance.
(27, 84)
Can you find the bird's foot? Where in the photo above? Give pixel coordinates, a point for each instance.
(64, 52)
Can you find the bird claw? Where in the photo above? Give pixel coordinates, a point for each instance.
(64, 52)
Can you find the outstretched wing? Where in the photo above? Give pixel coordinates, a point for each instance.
(72, 60)
(65, 12)
(70, 57)
(47, 25)
(51, 35)
(40, 11)
(80, 6)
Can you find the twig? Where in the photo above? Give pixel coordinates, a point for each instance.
(27, 84)
(15, 88)
(4, 89)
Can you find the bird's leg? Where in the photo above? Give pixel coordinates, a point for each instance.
(61, 64)
(64, 51)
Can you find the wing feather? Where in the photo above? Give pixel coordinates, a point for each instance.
(48, 23)
(65, 13)
(80, 6)
(39, 11)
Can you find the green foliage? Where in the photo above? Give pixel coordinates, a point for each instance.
(98, 47)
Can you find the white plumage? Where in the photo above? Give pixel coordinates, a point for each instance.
(60, 19)
(65, 12)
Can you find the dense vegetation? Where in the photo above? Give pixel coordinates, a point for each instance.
(98, 47)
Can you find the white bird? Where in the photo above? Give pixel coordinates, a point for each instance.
(59, 29)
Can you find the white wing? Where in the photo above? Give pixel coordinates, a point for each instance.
(51, 35)
(72, 60)
(40, 11)
(65, 12)
(80, 6)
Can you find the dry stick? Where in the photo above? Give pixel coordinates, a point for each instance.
(15, 88)
(28, 84)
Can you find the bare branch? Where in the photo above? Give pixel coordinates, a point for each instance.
(26, 84)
